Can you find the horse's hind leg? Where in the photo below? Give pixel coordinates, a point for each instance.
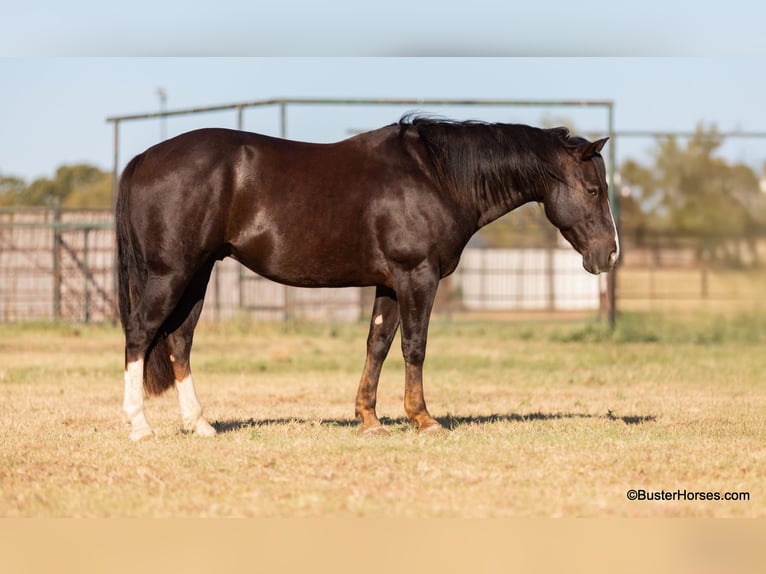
(157, 302)
(179, 344)
(133, 400)
(383, 325)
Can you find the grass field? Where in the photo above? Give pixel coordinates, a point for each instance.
(545, 419)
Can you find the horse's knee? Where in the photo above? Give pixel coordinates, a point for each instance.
(414, 355)
(378, 347)
(138, 338)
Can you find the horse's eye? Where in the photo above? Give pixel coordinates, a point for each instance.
(593, 191)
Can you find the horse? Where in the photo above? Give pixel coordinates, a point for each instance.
(391, 208)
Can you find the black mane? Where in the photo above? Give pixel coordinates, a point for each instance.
(490, 160)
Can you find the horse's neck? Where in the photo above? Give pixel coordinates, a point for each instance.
(495, 207)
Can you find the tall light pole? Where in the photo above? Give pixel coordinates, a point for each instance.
(162, 94)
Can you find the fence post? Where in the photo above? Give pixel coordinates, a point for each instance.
(86, 274)
(57, 261)
(614, 204)
(115, 186)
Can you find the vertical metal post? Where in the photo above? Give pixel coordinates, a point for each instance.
(614, 200)
(282, 120)
(241, 279)
(115, 162)
(163, 95)
(115, 185)
(57, 261)
(283, 134)
(85, 274)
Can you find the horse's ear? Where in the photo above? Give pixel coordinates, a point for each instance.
(590, 149)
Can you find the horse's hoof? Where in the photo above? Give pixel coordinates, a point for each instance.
(433, 429)
(141, 435)
(373, 431)
(204, 428)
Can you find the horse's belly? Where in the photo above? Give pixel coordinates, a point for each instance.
(309, 264)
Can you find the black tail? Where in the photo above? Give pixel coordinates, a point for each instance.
(158, 370)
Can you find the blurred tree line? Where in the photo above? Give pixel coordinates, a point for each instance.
(73, 186)
(691, 197)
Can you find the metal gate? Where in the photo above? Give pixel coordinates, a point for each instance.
(57, 265)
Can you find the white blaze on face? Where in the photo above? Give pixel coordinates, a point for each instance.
(616, 236)
(379, 319)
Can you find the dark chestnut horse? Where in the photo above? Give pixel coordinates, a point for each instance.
(392, 208)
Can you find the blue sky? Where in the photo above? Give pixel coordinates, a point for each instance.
(52, 111)
(677, 64)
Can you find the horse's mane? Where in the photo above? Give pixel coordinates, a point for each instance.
(489, 160)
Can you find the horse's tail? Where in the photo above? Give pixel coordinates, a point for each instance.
(132, 276)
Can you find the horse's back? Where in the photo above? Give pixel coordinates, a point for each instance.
(213, 152)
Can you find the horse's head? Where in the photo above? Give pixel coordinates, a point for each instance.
(579, 205)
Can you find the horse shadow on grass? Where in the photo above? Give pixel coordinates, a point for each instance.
(449, 422)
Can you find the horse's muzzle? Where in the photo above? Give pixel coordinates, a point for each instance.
(594, 263)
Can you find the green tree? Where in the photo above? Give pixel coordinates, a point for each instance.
(88, 186)
(10, 189)
(691, 192)
(75, 186)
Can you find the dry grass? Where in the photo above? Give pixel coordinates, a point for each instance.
(545, 420)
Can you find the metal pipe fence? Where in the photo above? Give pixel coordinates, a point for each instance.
(61, 266)
(283, 104)
(56, 265)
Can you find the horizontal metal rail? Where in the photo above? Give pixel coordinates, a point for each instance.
(361, 101)
(687, 134)
(61, 226)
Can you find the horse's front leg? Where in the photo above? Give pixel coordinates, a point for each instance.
(383, 325)
(415, 290)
